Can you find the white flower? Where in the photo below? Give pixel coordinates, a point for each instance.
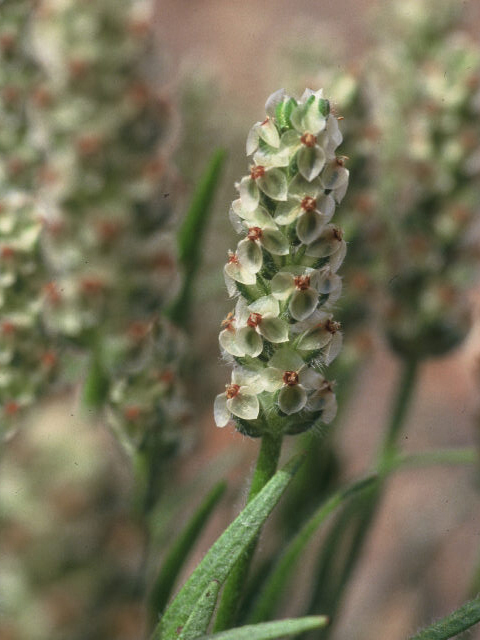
(245, 329)
(239, 398)
(302, 286)
(320, 331)
(270, 180)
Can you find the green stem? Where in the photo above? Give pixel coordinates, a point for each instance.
(266, 467)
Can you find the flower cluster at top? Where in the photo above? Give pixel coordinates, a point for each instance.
(284, 271)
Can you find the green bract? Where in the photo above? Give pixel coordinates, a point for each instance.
(283, 272)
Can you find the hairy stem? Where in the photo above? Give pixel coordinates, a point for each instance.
(266, 466)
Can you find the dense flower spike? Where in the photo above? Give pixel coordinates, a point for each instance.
(284, 271)
(428, 176)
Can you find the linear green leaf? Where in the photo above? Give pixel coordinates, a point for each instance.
(178, 553)
(191, 233)
(223, 554)
(271, 630)
(275, 583)
(450, 626)
(199, 619)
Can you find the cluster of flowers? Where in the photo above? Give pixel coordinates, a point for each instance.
(284, 271)
(97, 137)
(428, 175)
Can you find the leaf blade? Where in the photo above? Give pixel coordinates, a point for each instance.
(460, 620)
(271, 630)
(224, 553)
(199, 619)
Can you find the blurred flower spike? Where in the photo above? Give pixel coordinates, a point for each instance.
(282, 333)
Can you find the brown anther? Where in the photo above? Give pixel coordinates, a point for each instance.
(167, 377)
(108, 230)
(138, 92)
(49, 359)
(15, 166)
(302, 282)
(10, 94)
(257, 172)
(154, 169)
(89, 144)
(308, 139)
(337, 233)
(254, 319)
(138, 330)
(265, 121)
(231, 390)
(228, 322)
(340, 118)
(7, 42)
(327, 386)
(42, 97)
(8, 328)
(132, 413)
(163, 261)
(7, 253)
(138, 27)
(290, 378)
(232, 258)
(11, 408)
(308, 204)
(341, 160)
(77, 67)
(52, 293)
(92, 285)
(461, 214)
(332, 326)
(254, 233)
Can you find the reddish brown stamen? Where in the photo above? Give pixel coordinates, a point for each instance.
(132, 413)
(308, 204)
(7, 252)
(290, 378)
(308, 139)
(52, 293)
(337, 233)
(232, 258)
(254, 320)
(229, 322)
(92, 286)
(265, 121)
(254, 233)
(11, 408)
(302, 282)
(332, 326)
(8, 328)
(257, 172)
(49, 359)
(138, 330)
(232, 390)
(341, 160)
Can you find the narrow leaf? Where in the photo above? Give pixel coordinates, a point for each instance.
(281, 572)
(178, 553)
(271, 630)
(191, 234)
(225, 552)
(95, 387)
(452, 625)
(199, 619)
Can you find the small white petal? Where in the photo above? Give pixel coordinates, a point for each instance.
(246, 378)
(282, 285)
(266, 305)
(244, 406)
(271, 157)
(303, 303)
(220, 412)
(274, 330)
(268, 132)
(334, 347)
(300, 187)
(287, 212)
(314, 339)
(310, 379)
(273, 100)
(249, 341)
(274, 184)
(228, 342)
(275, 242)
(239, 274)
(310, 161)
(250, 255)
(272, 378)
(338, 257)
(249, 193)
(286, 359)
(309, 226)
(326, 205)
(292, 399)
(252, 139)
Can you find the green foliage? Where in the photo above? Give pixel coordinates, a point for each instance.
(201, 615)
(178, 554)
(225, 552)
(271, 630)
(450, 626)
(190, 236)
